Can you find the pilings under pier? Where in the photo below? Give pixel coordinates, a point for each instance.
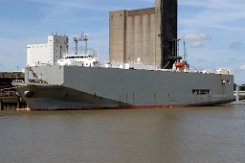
(11, 103)
(8, 98)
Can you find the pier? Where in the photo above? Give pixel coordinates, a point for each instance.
(9, 103)
(8, 97)
(240, 96)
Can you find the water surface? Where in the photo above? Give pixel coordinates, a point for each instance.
(188, 135)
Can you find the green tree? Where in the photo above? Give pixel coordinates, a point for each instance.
(242, 87)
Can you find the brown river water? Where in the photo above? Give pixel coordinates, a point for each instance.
(183, 135)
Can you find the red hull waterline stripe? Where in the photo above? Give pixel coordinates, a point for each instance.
(173, 106)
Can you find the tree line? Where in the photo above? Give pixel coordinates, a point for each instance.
(242, 87)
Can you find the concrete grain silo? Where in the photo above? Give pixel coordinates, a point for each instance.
(145, 35)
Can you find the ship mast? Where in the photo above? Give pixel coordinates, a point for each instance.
(185, 51)
(83, 37)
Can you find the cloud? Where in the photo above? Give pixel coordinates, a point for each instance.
(235, 45)
(220, 14)
(196, 39)
(95, 5)
(242, 67)
(233, 60)
(13, 53)
(201, 60)
(197, 44)
(85, 5)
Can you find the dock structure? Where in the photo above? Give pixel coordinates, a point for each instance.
(9, 103)
(241, 95)
(8, 97)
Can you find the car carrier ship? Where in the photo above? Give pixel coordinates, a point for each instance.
(55, 80)
(79, 81)
(77, 87)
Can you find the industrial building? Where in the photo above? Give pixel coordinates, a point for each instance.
(48, 53)
(146, 35)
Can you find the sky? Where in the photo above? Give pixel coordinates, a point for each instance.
(213, 29)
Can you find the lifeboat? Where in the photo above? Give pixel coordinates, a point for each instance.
(180, 65)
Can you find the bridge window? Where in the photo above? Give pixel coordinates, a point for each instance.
(200, 91)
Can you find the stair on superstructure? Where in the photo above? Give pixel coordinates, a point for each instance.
(37, 78)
